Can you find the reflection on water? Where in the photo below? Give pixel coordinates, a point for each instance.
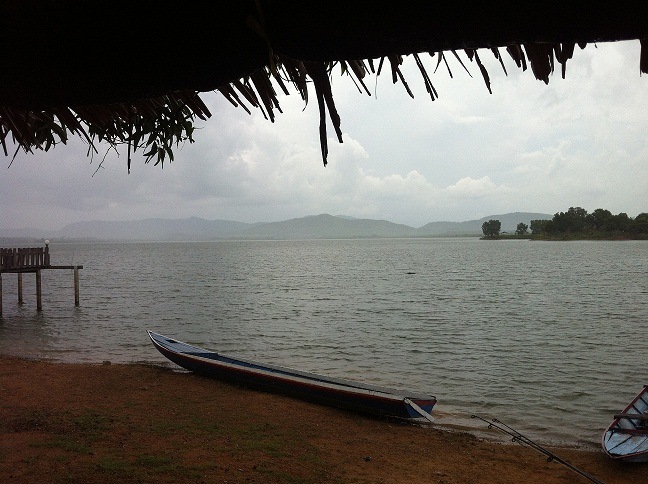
(542, 335)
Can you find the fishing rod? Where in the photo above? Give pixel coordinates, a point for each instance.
(523, 440)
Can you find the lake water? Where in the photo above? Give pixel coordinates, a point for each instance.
(549, 337)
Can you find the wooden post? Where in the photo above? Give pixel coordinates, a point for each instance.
(39, 301)
(76, 286)
(0, 293)
(20, 294)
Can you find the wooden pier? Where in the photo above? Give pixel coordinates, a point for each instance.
(32, 260)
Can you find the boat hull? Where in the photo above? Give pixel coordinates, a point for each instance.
(308, 386)
(626, 439)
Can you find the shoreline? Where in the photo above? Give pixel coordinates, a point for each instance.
(83, 422)
(448, 420)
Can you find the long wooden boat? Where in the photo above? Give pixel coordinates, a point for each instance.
(309, 386)
(626, 439)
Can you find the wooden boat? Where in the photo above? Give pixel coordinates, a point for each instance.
(626, 439)
(309, 386)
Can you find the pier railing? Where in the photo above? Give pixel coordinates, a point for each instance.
(24, 259)
(32, 259)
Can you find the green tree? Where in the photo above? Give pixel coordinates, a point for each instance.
(522, 229)
(491, 228)
(600, 219)
(640, 224)
(539, 227)
(621, 223)
(600, 223)
(573, 220)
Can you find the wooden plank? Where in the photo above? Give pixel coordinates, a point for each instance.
(34, 269)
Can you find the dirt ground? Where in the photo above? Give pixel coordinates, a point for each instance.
(141, 423)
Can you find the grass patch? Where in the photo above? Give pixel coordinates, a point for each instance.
(91, 424)
(167, 428)
(115, 466)
(146, 466)
(276, 442)
(265, 438)
(189, 426)
(208, 426)
(30, 461)
(35, 420)
(65, 443)
(156, 463)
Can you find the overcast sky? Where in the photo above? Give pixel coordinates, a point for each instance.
(579, 141)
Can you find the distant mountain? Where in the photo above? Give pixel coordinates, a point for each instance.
(26, 233)
(311, 227)
(327, 226)
(193, 228)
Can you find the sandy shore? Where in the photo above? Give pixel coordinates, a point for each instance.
(140, 423)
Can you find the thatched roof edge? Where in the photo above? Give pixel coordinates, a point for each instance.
(254, 47)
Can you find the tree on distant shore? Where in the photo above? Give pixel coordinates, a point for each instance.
(491, 228)
(539, 226)
(522, 229)
(640, 223)
(601, 222)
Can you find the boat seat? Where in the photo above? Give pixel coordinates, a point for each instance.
(634, 416)
(619, 430)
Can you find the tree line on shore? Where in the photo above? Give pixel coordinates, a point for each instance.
(576, 222)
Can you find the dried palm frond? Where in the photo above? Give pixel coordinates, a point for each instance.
(156, 125)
